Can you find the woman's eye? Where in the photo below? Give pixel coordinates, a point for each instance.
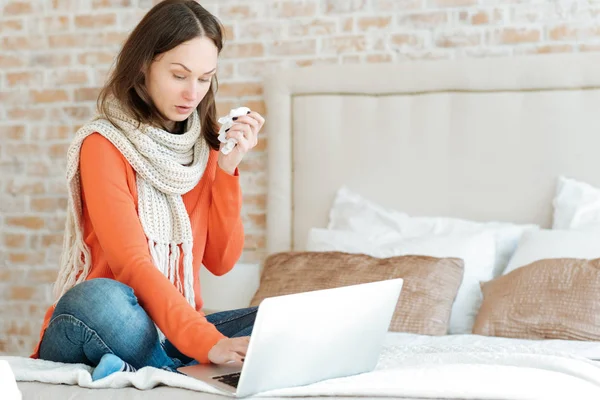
(179, 77)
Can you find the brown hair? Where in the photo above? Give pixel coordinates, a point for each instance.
(165, 26)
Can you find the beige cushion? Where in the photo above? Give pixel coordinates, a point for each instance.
(430, 284)
(547, 299)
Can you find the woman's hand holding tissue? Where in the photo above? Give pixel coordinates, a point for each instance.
(244, 130)
(229, 350)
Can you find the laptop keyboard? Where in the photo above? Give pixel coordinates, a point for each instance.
(229, 379)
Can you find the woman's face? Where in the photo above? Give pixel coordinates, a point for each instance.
(178, 79)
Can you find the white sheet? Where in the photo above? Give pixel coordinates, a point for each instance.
(456, 366)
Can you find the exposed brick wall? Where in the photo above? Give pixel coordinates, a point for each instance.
(55, 55)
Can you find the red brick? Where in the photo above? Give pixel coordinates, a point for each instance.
(14, 240)
(95, 21)
(245, 50)
(18, 328)
(294, 9)
(17, 8)
(240, 89)
(228, 12)
(50, 60)
(50, 132)
(58, 151)
(344, 44)
(424, 19)
(348, 24)
(253, 256)
(376, 23)
(260, 30)
(43, 276)
(293, 47)
(406, 39)
(452, 3)
(29, 222)
(458, 39)
(13, 275)
(49, 96)
(96, 57)
(78, 113)
(48, 204)
(306, 62)
(111, 3)
(344, 6)
(256, 105)
(11, 25)
(259, 68)
(254, 241)
(26, 113)
(26, 258)
(26, 186)
(12, 132)
(8, 61)
(22, 292)
(258, 220)
(51, 240)
(87, 94)
(312, 27)
(396, 5)
(20, 43)
(69, 77)
(379, 58)
(518, 35)
(255, 201)
(24, 78)
(546, 49)
(55, 23)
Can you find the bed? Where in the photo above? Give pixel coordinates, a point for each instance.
(473, 139)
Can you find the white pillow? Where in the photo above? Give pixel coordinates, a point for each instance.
(476, 250)
(546, 243)
(350, 211)
(576, 205)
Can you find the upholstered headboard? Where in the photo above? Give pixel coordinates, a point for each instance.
(483, 139)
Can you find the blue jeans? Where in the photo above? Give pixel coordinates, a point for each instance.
(103, 316)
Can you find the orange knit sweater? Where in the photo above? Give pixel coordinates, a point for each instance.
(119, 248)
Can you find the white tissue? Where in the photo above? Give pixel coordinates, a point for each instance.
(226, 123)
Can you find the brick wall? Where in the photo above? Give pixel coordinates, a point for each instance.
(55, 54)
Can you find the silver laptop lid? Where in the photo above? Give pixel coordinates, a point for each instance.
(308, 337)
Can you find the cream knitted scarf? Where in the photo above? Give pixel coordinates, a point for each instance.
(166, 166)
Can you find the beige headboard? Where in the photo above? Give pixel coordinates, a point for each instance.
(483, 139)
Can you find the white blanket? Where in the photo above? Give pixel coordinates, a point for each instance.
(450, 371)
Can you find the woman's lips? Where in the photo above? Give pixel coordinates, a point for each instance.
(183, 109)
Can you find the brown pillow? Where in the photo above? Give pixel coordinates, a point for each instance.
(547, 299)
(429, 288)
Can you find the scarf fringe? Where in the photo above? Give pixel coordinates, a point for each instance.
(166, 166)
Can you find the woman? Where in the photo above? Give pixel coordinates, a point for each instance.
(151, 200)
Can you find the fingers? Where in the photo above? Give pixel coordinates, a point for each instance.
(258, 117)
(244, 136)
(240, 347)
(256, 122)
(250, 121)
(235, 357)
(229, 350)
(250, 130)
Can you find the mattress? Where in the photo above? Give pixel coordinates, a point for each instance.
(589, 350)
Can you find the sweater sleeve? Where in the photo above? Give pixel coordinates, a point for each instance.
(113, 215)
(225, 238)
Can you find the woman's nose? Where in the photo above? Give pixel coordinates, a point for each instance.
(191, 92)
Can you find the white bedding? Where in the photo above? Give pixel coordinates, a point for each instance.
(454, 366)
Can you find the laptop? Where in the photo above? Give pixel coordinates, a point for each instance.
(304, 338)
